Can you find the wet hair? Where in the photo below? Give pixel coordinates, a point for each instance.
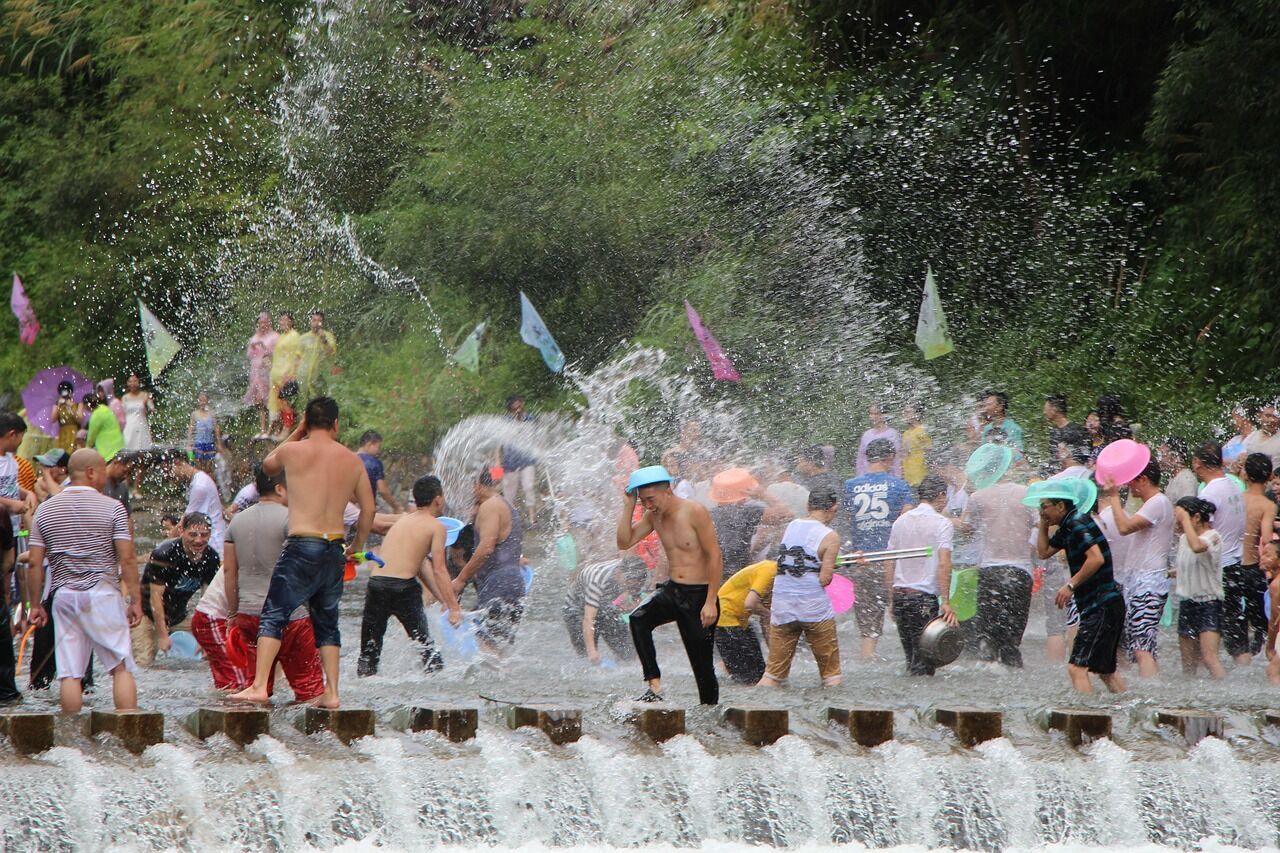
(370, 436)
(1177, 446)
(1057, 401)
(322, 413)
(466, 541)
(9, 422)
(1109, 408)
(513, 399)
(1257, 468)
(824, 494)
(1209, 453)
(999, 395)
(266, 483)
(426, 489)
(881, 448)
(1248, 407)
(931, 487)
(90, 400)
(813, 453)
(316, 312)
(195, 519)
(1081, 451)
(64, 385)
(486, 479)
(1198, 507)
(171, 518)
(1066, 503)
(1152, 472)
(633, 569)
(289, 390)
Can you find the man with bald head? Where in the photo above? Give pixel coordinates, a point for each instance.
(85, 536)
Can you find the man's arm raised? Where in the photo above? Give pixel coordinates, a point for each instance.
(628, 535)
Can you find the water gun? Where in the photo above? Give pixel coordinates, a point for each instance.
(349, 574)
(887, 554)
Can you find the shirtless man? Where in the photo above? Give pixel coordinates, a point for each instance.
(1259, 516)
(322, 475)
(495, 565)
(413, 550)
(689, 597)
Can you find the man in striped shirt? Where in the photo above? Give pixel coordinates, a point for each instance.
(85, 536)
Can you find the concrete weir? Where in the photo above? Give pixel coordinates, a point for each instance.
(1194, 726)
(347, 724)
(659, 720)
(137, 730)
(866, 726)
(760, 726)
(1080, 725)
(560, 724)
(456, 722)
(242, 725)
(30, 733)
(972, 726)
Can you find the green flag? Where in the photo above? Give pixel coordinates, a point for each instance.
(468, 355)
(160, 345)
(931, 329)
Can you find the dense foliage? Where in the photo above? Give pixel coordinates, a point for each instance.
(1096, 185)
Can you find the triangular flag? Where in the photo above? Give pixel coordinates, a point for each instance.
(28, 325)
(931, 329)
(534, 332)
(160, 345)
(721, 367)
(468, 355)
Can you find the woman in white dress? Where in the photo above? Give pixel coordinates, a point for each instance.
(138, 406)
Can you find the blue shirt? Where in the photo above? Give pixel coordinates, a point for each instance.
(1011, 429)
(874, 501)
(373, 467)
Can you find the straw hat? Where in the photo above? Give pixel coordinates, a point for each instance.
(732, 486)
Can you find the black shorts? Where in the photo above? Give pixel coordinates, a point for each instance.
(1099, 637)
(1199, 617)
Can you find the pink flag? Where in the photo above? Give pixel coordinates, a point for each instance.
(721, 367)
(28, 325)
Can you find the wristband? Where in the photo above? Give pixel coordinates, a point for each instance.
(1071, 586)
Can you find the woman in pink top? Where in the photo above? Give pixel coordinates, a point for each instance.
(258, 351)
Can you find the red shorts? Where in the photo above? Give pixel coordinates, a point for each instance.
(211, 634)
(298, 656)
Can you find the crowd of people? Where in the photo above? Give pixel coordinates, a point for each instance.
(742, 555)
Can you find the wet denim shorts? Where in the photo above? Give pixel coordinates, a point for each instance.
(308, 572)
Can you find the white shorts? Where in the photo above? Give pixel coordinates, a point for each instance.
(90, 621)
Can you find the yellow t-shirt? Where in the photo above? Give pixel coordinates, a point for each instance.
(915, 442)
(733, 592)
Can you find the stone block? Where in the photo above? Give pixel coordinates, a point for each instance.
(242, 725)
(562, 725)
(760, 726)
(347, 724)
(972, 726)
(659, 720)
(867, 726)
(137, 729)
(1194, 726)
(1080, 725)
(29, 732)
(456, 722)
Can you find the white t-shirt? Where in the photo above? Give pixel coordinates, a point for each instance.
(9, 485)
(1080, 471)
(1257, 442)
(922, 526)
(1181, 485)
(202, 496)
(214, 601)
(1228, 519)
(1118, 544)
(802, 599)
(1148, 550)
(1200, 575)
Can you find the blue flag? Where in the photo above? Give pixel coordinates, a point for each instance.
(534, 332)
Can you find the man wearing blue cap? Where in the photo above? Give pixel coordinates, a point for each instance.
(689, 597)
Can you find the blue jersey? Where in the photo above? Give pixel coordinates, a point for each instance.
(874, 502)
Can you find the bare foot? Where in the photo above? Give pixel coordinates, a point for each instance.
(251, 695)
(325, 700)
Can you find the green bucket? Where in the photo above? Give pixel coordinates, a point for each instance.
(964, 593)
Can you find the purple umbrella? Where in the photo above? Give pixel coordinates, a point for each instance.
(42, 392)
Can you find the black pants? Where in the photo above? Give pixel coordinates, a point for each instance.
(680, 603)
(912, 611)
(8, 663)
(1244, 589)
(609, 627)
(1004, 600)
(44, 664)
(740, 650)
(401, 598)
